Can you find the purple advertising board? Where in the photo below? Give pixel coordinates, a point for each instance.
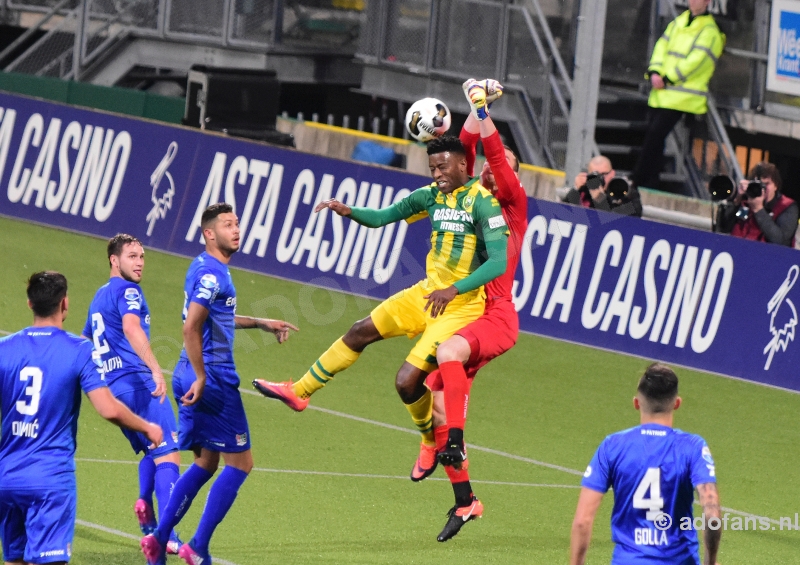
(662, 292)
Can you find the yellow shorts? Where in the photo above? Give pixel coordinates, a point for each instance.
(403, 314)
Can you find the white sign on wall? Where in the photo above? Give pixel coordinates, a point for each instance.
(783, 66)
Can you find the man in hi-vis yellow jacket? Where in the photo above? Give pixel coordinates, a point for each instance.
(683, 60)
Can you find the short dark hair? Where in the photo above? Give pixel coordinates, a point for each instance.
(118, 242)
(210, 214)
(516, 158)
(766, 170)
(658, 388)
(446, 143)
(46, 290)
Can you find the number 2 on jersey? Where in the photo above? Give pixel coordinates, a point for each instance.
(33, 390)
(652, 483)
(98, 327)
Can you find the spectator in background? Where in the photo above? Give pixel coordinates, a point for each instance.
(771, 217)
(683, 61)
(593, 192)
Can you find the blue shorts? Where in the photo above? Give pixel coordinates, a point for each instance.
(217, 422)
(37, 526)
(149, 407)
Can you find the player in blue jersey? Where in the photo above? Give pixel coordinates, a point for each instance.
(211, 416)
(654, 470)
(42, 371)
(119, 325)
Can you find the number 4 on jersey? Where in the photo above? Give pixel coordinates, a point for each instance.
(652, 483)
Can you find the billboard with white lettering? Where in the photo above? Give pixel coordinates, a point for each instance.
(783, 65)
(663, 292)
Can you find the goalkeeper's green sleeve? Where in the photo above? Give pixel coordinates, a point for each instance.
(492, 268)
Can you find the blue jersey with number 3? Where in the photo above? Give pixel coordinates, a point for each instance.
(42, 372)
(654, 470)
(209, 284)
(111, 303)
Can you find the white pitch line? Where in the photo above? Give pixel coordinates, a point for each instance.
(132, 537)
(471, 446)
(350, 475)
(484, 449)
(408, 431)
(405, 478)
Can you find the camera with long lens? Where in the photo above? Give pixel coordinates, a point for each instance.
(723, 190)
(618, 190)
(593, 182)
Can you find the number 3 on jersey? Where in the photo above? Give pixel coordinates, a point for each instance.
(652, 483)
(33, 390)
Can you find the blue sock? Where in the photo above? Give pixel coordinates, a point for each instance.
(183, 493)
(166, 476)
(147, 479)
(220, 500)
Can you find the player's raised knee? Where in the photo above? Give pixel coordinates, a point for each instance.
(456, 348)
(361, 334)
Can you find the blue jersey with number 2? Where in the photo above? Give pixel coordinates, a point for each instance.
(42, 372)
(654, 470)
(111, 303)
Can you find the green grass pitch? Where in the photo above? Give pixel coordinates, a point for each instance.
(332, 489)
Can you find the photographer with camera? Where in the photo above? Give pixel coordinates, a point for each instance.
(758, 210)
(601, 189)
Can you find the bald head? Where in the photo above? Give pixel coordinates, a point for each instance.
(599, 164)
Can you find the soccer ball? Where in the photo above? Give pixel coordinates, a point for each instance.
(427, 118)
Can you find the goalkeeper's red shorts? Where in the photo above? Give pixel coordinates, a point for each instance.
(491, 335)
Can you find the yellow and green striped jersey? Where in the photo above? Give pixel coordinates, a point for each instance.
(462, 222)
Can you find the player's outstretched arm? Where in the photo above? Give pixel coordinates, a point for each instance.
(117, 413)
(193, 343)
(132, 328)
(709, 502)
(588, 504)
(277, 327)
(509, 188)
(469, 136)
(409, 206)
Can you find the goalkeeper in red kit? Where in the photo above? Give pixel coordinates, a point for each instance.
(496, 331)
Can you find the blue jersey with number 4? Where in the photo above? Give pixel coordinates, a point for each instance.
(112, 301)
(209, 284)
(42, 372)
(654, 470)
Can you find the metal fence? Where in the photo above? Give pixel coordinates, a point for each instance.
(448, 38)
(529, 42)
(250, 24)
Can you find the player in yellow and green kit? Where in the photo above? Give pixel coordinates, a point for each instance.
(468, 249)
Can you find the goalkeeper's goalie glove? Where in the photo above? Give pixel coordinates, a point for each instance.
(480, 94)
(493, 88)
